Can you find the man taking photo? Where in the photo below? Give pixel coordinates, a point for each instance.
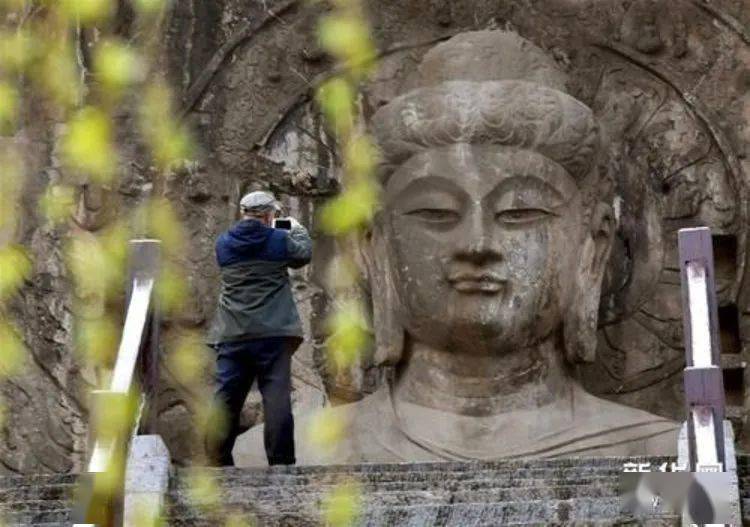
(257, 328)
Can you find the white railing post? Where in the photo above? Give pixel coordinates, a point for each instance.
(704, 382)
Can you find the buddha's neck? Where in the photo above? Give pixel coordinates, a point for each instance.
(479, 385)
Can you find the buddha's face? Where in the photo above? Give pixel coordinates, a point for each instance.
(484, 243)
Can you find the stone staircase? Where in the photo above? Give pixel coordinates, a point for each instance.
(41, 500)
(520, 492)
(525, 492)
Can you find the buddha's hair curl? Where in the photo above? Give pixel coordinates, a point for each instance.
(509, 113)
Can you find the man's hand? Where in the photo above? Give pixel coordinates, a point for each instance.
(295, 224)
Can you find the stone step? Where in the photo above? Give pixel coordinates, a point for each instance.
(504, 481)
(293, 478)
(37, 517)
(446, 466)
(532, 512)
(33, 505)
(41, 492)
(285, 499)
(43, 524)
(33, 480)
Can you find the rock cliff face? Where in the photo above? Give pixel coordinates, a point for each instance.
(669, 81)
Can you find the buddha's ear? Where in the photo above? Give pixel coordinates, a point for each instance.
(580, 325)
(374, 260)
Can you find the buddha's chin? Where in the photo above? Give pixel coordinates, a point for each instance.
(476, 337)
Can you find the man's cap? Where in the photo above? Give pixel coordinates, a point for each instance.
(259, 200)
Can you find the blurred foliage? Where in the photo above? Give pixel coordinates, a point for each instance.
(148, 515)
(168, 139)
(87, 12)
(344, 33)
(342, 505)
(117, 66)
(11, 183)
(189, 359)
(8, 107)
(67, 63)
(326, 430)
(87, 146)
(58, 202)
(204, 490)
(236, 520)
(347, 328)
(15, 267)
(12, 351)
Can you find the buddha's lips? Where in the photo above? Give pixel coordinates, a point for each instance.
(477, 282)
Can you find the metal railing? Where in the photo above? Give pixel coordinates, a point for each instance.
(704, 381)
(128, 406)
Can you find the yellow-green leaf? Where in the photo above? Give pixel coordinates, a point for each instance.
(202, 489)
(58, 75)
(11, 182)
(17, 49)
(342, 506)
(348, 335)
(189, 360)
(12, 351)
(97, 264)
(98, 339)
(15, 267)
(57, 202)
(350, 210)
(168, 139)
(361, 157)
(12, 5)
(87, 145)
(326, 429)
(149, 7)
(346, 36)
(117, 65)
(8, 107)
(114, 413)
(171, 289)
(164, 225)
(336, 98)
(87, 12)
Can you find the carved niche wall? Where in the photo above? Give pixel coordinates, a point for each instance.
(668, 81)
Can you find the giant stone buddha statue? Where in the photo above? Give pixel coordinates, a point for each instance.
(485, 267)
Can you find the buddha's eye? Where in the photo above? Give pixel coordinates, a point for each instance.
(522, 216)
(435, 215)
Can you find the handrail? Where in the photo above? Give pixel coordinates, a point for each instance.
(101, 486)
(704, 383)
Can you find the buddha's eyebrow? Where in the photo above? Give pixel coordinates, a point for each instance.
(526, 182)
(424, 184)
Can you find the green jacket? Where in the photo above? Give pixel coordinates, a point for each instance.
(256, 298)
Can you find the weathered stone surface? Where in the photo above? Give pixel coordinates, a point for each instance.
(484, 267)
(530, 492)
(668, 81)
(418, 494)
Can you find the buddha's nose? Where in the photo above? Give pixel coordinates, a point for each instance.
(476, 243)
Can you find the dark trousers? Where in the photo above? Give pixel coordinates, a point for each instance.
(238, 364)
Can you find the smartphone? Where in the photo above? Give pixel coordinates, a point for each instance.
(282, 223)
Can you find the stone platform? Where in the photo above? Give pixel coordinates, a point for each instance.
(572, 491)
